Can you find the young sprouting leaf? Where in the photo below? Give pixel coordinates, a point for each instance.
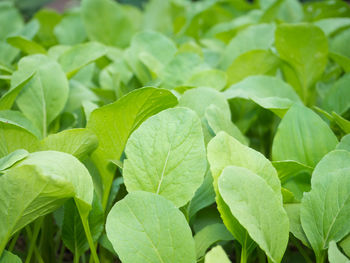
(73, 234)
(79, 56)
(114, 123)
(12, 158)
(108, 22)
(48, 19)
(172, 162)
(147, 227)
(305, 48)
(44, 96)
(203, 197)
(254, 62)
(257, 207)
(343, 123)
(17, 118)
(325, 209)
(254, 37)
(26, 45)
(268, 92)
(288, 169)
(208, 236)
(77, 142)
(334, 254)
(211, 78)
(218, 121)
(216, 255)
(342, 61)
(312, 138)
(14, 137)
(344, 143)
(8, 257)
(337, 98)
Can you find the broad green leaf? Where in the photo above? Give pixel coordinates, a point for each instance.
(337, 98)
(107, 22)
(212, 78)
(13, 137)
(288, 169)
(326, 208)
(8, 257)
(203, 197)
(145, 227)
(223, 150)
(41, 193)
(338, 44)
(208, 236)
(254, 62)
(77, 142)
(73, 234)
(345, 245)
(312, 138)
(12, 158)
(48, 19)
(44, 96)
(257, 207)
(17, 118)
(268, 92)
(166, 155)
(70, 30)
(79, 56)
(114, 123)
(341, 60)
(157, 16)
(8, 12)
(334, 254)
(218, 121)
(331, 25)
(344, 143)
(293, 212)
(216, 255)
(304, 47)
(26, 45)
(254, 37)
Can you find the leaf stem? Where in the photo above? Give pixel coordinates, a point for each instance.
(14, 241)
(36, 231)
(244, 255)
(321, 257)
(301, 250)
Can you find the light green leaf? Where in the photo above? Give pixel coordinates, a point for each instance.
(77, 142)
(13, 137)
(218, 121)
(107, 22)
(343, 123)
(331, 25)
(79, 56)
(293, 212)
(334, 254)
(254, 37)
(344, 143)
(338, 44)
(166, 155)
(288, 169)
(48, 19)
(305, 48)
(12, 158)
(8, 257)
(26, 45)
(341, 60)
(145, 227)
(268, 92)
(211, 78)
(257, 207)
(311, 136)
(44, 96)
(326, 208)
(208, 236)
(254, 62)
(216, 255)
(114, 123)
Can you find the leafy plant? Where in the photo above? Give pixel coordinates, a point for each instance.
(183, 131)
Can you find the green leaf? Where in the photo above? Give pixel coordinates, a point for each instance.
(216, 255)
(338, 43)
(48, 19)
(14, 137)
(44, 96)
(254, 37)
(293, 212)
(218, 121)
(107, 22)
(334, 254)
(332, 25)
(210, 235)
(268, 92)
(341, 60)
(211, 78)
(288, 169)
(26, 45)
(79, 56)
(344, 143)
(311, 136)
(114, 123)
(326, 208)
(8, 257)
(257, 207)
(12, 158)
(77, 142)
(166, 155)
(343, 123)
(254, 62)
(147, 227)
(304, 47)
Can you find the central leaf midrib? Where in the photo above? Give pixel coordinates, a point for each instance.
(163, 171)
